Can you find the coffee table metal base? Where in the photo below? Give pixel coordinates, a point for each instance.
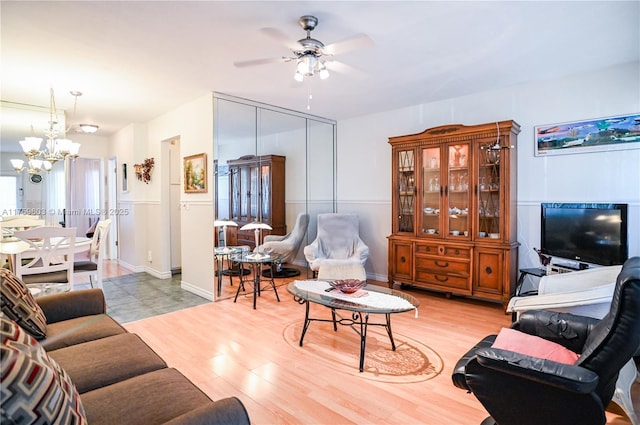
(256, 269)
(359, 322)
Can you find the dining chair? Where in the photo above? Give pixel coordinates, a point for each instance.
(49, 256)
(93, 266)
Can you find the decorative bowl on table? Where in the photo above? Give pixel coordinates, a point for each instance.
(348, 286)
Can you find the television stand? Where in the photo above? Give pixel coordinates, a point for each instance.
(565, 268)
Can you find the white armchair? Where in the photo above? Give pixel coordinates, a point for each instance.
(338, 242)
(585, 293)
(287, 246)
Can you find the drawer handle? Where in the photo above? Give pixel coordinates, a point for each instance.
(488, 270)
(441, 278)
(446, 264)
(403, 260)
(457, 251)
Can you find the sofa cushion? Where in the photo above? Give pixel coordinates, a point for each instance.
(105, 361)
(159, 397)
(20, 306)
(81, 329)
(35, 389)
(534, 346)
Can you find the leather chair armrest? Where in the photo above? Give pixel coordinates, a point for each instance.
(73, 304)
(566, 377)
(227, 411)
(566, 329)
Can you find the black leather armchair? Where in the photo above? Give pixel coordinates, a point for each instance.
(520, 390)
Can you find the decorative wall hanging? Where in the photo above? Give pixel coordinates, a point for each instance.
(600, 134)
(195, 173)
(144, 170)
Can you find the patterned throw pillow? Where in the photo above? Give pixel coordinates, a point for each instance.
(35, 389)
(19, 305)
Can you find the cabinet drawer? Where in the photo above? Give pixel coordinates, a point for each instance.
(444, 250)
(442, 265)
(443, 280)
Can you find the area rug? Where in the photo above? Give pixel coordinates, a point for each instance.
(412, 361)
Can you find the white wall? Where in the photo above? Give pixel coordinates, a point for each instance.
(364, 186)
(193, 124)
(128, 146)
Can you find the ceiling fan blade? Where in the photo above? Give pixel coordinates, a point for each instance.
(343, 68)
(357, 41)
(280, 36)
(254, 62)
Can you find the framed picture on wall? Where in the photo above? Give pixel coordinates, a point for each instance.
(195, 173)
(594, 135)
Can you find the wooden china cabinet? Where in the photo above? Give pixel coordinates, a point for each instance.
(256, 193)
(454, 210)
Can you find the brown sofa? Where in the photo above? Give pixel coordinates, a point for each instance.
(119, 378)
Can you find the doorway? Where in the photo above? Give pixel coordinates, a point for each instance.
(171, 188)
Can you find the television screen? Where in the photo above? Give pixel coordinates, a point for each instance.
(589, 233)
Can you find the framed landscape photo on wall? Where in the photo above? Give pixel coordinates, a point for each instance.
(195, 173)
(594, 135)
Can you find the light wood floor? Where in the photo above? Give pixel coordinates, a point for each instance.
(229, 349)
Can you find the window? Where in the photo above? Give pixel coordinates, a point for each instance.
(8, 195)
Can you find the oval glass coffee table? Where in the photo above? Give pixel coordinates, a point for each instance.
(372, 299)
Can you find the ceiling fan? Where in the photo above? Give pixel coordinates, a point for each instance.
(310, 54)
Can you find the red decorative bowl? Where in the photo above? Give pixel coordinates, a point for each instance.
(348, 286)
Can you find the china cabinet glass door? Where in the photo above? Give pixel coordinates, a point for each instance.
(265, 176)
(458, 193)
(406, 190)
(489, 225)
(253, 194)
(431, 191)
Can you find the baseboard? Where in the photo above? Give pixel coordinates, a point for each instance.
(157, 273)
(131, 267)
(196, 290)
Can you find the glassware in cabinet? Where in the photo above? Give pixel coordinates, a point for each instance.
(489, 189)
(431, 191)
(406, 190)
(458, 193)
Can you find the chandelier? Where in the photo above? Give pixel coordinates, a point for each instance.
(55, 149)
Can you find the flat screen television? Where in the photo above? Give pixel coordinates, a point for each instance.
(585, 232)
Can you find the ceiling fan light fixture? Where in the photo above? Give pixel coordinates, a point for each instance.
(324, 72)
(306, 64)
(298, 77)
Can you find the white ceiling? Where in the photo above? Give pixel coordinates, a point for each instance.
(137, 60)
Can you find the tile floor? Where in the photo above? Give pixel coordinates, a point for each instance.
(136, 296)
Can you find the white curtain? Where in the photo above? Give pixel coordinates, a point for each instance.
(84, 208)
(54, 195)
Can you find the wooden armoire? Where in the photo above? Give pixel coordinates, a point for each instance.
(256, 193)
(454, 210)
